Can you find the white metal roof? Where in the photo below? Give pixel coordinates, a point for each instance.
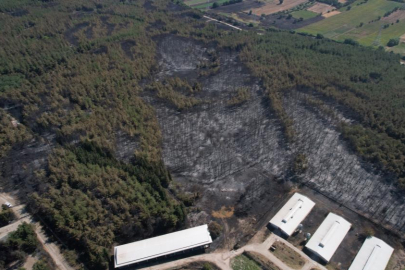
(161, 245)
(328, 236)
(373, 255)
(292, 213)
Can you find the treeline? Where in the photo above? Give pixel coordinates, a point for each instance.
(70, 76)
(91, 200)
(368, 83)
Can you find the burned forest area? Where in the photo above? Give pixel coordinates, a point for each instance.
(126, 120)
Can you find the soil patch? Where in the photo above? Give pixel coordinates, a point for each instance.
(397, 15)
(330, 14)
(110, 26)
(265, 263)
(402, 38)
(224, 212)
(321, 8)
(275, 7)
(197, 266)
(288, 255)
(126, 47)
(70, 33)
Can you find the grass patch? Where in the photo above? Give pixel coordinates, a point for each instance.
(305, 14)
(205, 5)
(265, 263)
(288, 255)
(242, 262)
(398, 49)
(347, 24)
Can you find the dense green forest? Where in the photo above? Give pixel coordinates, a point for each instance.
(75, 70)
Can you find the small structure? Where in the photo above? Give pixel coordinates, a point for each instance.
(168, 244)
(373, 255)
(328, 236)
(292, 213)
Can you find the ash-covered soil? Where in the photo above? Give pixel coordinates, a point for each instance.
(237, 158)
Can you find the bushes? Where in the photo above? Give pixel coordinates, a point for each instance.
(393, 42)
(215, 229)
(6, 216)
(19, 243)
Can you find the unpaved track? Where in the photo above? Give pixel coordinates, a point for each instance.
(51, 248)
(223, 259)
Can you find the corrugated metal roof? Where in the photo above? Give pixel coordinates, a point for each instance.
(373, 255)
(328, 236)
(161, 245)
(292, 213)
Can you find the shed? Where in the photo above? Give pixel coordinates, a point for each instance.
(328, 236)
(373, 255)
(140, 251)
(292, 213)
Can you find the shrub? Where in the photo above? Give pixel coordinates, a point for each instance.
(215, 229)
(393, 42)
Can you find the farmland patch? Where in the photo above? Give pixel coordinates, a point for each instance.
(321, 8)
(330, 14)
(397, 15)
(275, 7)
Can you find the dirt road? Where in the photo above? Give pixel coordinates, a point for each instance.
(51, 248)
(223, 259)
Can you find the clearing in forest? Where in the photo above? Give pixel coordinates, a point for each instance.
(275, 7)
(360, 22)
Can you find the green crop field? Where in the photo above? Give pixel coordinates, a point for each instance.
(205, 5)
(305, 14)
(347, 24)
(195, 2)
(242, 262)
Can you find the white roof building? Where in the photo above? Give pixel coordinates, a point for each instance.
(292, 213)
(161, 245)
(373, 255)
(328, 236)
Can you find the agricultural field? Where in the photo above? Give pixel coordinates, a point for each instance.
(363, 22)
(203, 4)
(242, 262)
(275, 6)
(304, 14)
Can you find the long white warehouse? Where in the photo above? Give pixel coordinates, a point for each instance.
(292, 213)
(197, 237)
(373, 255)
(328, 236)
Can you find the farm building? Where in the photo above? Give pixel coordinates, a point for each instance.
(328, 236)
(168, 244)
(373, 255)
(292, 213)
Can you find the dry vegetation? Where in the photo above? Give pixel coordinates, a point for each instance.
(321, 8)
(265, 263)
(288, 256)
